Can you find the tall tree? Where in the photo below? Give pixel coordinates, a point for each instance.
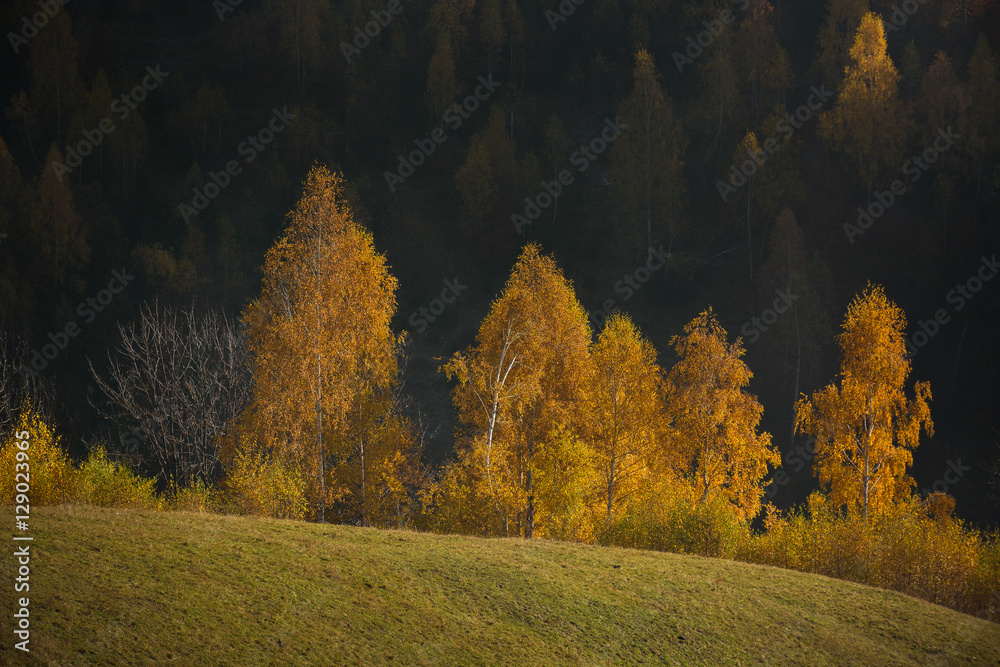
(442, 86)
(866, 428)
(835, 38)
(868, 123)
(765, 68)
(56, 87)
(320, 344)
(648, 158)
(556, 151)
(520, 388)
(625, 404)
(981, 131)
(714, 420)
(60, 241)
(180, 379)
(944, 102)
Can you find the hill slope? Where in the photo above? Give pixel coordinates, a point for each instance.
(135, 587)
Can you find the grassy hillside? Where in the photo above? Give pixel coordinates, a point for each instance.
(136, 587)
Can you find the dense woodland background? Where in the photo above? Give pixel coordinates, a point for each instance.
(451, 220)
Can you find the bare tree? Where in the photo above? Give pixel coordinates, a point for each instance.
(20, 385)
(178, 380)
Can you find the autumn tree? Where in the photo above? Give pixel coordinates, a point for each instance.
(519, 394)
(492, 33)
(981, 129)
(714, 420)
(866, 428)
(442, 86)
(944, 102)
(60, 241)
(868, 123)
(56, 86)
(488, 176)
(765, 69)
(89, 116)
(746, 159)
(648, 158)
(625, 406)
(835, 38)
(298, 23)
(203, 117)
(319, 339)
(476, 183)
(718, 110)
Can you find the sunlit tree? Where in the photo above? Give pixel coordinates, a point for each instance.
(321, 345)
(865, 427)
(625, 406)
(868, 124)
(714, 420)
(520, 390)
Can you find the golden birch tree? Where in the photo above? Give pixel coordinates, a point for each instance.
(866, 428)
(319, 338)
(868, 124)
(625, 406)
(519, 392)
(714, 420)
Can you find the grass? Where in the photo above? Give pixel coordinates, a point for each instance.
(138, 587)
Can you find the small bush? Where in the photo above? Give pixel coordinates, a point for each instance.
(102, 482)
(197, 497)
(676, 523)
(41, 463)
(264, 486)
(915, 547)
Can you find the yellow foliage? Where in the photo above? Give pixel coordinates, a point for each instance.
(715, 440)
(524, 377)
(670, 515)
(198, 497)
(107, 484)
(264, 486)
(868, 123)
(866, 428)
(911, 548)
(625, 407)
(319, 335)
(32, 455)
